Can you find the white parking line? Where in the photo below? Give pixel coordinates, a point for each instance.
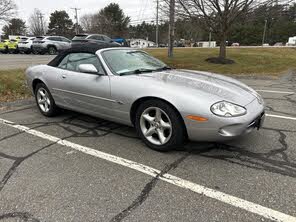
(199, 189)
(272, 91)
(281, 117)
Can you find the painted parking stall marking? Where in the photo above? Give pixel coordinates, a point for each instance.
(273, 91)
(185, 184)
(281, 117)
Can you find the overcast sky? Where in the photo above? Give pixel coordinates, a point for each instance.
(138, 10)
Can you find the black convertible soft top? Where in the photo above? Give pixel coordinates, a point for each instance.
(83, 48)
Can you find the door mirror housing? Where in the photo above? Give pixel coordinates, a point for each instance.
(88, 68)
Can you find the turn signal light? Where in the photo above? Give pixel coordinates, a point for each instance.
(197, 118)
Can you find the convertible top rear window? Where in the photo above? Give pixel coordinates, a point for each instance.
(83, 48)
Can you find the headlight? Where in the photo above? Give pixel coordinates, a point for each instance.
(227, 109)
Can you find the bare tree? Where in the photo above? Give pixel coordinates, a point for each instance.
(217, 15)
(7, 8)
(37, 23)
(87, 22)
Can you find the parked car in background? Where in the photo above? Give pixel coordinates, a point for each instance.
(25, 45)
(4, 46)
(122, 42)
(93, 38)
(50, 44)
(235, 44)
(278, 44)
(9, 46)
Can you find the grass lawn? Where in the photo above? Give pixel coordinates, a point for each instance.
(268, 61)
(13, 85)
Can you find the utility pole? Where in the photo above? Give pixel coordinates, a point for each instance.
(264, 32)
(171, 29)
(76, 17)
(40, 16)
(157, 28)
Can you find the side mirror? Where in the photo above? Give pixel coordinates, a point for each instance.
(88, 68)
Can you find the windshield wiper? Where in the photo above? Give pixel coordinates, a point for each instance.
(163, 68)
(144, 70)
(137, 71)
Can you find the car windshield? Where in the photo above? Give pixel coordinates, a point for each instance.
(39, 38)
(125, 61)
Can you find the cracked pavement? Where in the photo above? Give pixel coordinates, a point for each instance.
(41, 180)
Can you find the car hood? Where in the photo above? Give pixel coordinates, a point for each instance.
(223, 87)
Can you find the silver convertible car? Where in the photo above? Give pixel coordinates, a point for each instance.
(128, 86)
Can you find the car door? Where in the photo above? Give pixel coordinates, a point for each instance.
(84, 92)
(56, 41)
(65, 43)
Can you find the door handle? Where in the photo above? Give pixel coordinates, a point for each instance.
(64, 76)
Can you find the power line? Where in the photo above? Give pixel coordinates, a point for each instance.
(143, 20)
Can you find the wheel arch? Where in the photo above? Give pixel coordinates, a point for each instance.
(35, 82)
(137, 103)
(52, 45)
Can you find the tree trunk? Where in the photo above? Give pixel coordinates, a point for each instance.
(222, 54)
(171, 29)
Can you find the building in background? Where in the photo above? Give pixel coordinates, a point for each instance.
(141, 43)
(206, 44)
(292, 41)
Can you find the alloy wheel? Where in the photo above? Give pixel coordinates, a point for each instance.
(156, 126)
(43, 100)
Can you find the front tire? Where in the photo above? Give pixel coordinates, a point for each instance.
(45, 101)
(159, 125)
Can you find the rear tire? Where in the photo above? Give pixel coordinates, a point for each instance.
(45, 101)
(52, 50)
(160, 126)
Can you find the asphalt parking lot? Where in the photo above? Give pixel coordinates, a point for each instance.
(22, 61)
(79, 168)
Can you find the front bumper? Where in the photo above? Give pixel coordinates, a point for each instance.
(221, 128)
(2, 49)
(12, 49)
(24, 49)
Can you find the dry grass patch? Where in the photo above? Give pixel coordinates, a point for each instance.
(13, 85)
